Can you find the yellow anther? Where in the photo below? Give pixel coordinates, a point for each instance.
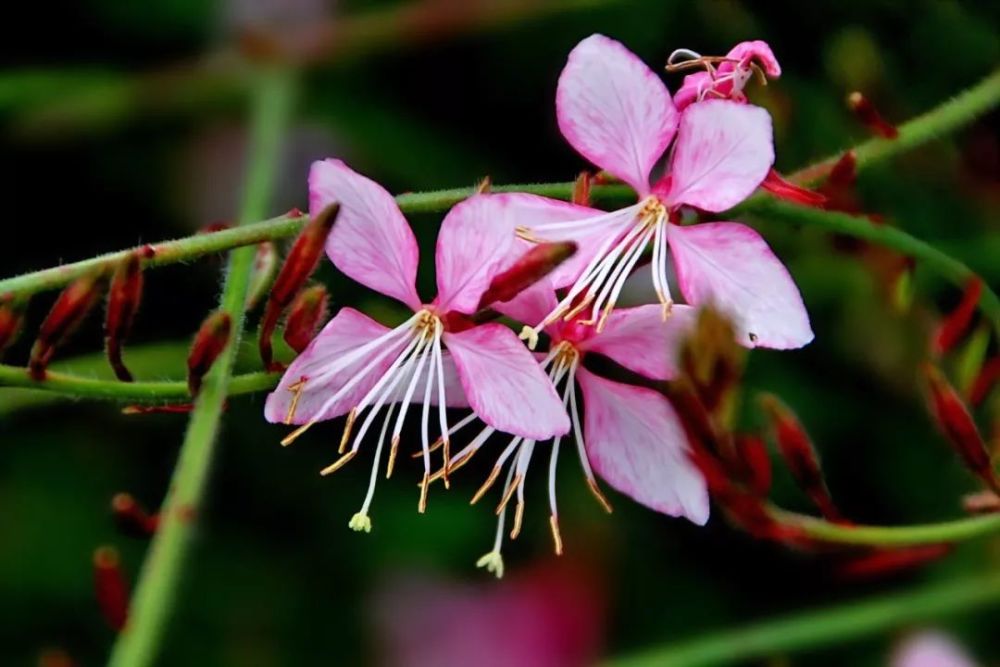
(509, 493)
(393, 450)
(422, 505)
(291, 437)
(556, 536)
(596, 490)
(296, 390)
(360, 522)
(486, 485)
(518, 517)
(339, 463)
(348, 427)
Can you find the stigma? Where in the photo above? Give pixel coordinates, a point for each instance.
(417, 361)
(593, 296)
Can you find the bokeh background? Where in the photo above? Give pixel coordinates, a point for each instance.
(124, 122)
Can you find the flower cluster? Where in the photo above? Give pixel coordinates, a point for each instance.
(619, 115)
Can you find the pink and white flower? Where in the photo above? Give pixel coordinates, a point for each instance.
(618, 114)
(930, 648)
(630, 436)
(724, 77)
(438, 356)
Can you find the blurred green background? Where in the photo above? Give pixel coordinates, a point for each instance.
(99, 154)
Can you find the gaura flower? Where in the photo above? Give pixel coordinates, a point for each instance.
(629, 436)
(724, 77)
(438, 356)
(930, 649)
(618, 114)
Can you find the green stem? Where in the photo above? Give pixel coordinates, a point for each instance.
(139, 642)
(824, 627)
(892, 536)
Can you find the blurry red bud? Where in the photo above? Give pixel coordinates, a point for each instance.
(986, 379)
(209, 342)
(124, 296)
(799, 454)
(845, 171)
(532, 266)
(217, 226)
(131, 518)
(55, 657)
(305, 317)
(958, 427)
(884, 562)
(70, 309)
(981, 502)
(956, 324)
(782, 188)
(870, 117)
(755, 463)
(295, 212)
(581, 189)
(111, 587)
(299, 265)
(11, 319)
(265, 264)
(484, 185)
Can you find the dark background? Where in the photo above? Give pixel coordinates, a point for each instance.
(276, 577)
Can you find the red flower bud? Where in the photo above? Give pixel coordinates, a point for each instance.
(305, 317)
(111, 587)
(265, 264)
(217, 226)
(958, 427)
(533, 265)
(69, 310)
(986, 379)
(956, 324)
(755, 463)
(800, 455)
(209, 342)
(11, 319)
(299, 265)
(883, 562)
(131, 518)
(124, 296)
(870, 117)
(782, 188)
(581, 189)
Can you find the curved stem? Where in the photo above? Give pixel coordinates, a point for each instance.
(139, 643)
(824, 627)
(892, 536)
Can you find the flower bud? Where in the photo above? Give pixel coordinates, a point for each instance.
(800, 455)
(265, 265)
(11, 319)
(69, 310)
(782, 188)
(581, 189)
(958, 427)
(884, 562)
(755, 463)
(131, 518)
(124, 296)
(956, 324)
(110, 587)
(209, 342)
(305, 317)
(533, 265)
(299, 265)
(870, 117)
(986, 379)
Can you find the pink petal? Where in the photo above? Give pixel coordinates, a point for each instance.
(530, 306)
(614, 110)
(348, 331)
(930, 649)
(724, 150)
(639, 339)
(371, 241)
(729, 265)
(693, 85)
(504, 384)
(454, 392)
(758, 51)
(635, 441)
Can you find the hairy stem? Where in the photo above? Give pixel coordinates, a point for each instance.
(138, 645)
(893, 536)
(824, 627)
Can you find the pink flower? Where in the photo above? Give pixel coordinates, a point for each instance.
(729, 78)
(930, 649)
(630, 436)
(551, 615)
(437, 356)
(618, 114)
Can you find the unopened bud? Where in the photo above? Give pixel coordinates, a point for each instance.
(956, 324)
(755, 463)
(533, 265)
(305, 316)
(799, 454)
(782, 188)
(581, 189)
(209, 342)
(986, 379)
(299, 265)
(70, 309)
(886, 562)
(110, 587)
(870, 117)
(958, 427)
(11, 319)
(265, 265)
(131, 518)
(124, 296)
